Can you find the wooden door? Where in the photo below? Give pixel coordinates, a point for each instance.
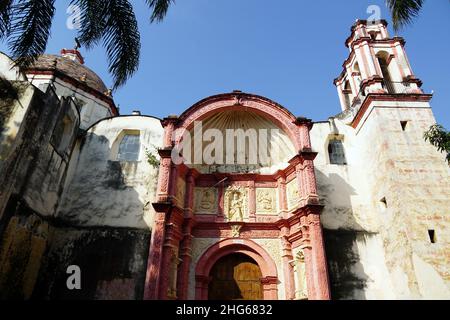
(235, 277)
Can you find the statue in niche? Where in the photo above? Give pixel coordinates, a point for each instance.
(301, 290)
(207, 200)
(173, 271)
(235, 203)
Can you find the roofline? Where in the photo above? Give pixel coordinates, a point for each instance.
(120, 116)
(77, 83)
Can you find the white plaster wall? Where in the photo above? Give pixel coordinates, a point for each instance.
(341, 189)
(10, 135)
(7, 69)
(385, 161)
(101, 191)
(93, 109)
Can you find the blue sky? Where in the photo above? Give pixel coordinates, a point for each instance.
(288, 51)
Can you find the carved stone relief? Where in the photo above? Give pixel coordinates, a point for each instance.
(236, 230)
(236, 203)
(266, 201)
(293, 194)
(205, 201)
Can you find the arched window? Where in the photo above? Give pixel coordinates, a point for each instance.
(383, 60)
(347, 94)
(336, 152)
(357, 75)
(129, 147)
(373, 35)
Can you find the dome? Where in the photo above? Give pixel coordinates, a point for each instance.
(69, 68)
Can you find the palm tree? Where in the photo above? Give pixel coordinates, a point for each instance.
(26, 25)
(404, 11)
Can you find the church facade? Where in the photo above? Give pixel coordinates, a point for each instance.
(236, 198)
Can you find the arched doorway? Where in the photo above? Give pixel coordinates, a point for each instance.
(216, 257)
(235, 277)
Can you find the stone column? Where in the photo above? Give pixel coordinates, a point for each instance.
(164, 177)
(307, 252)
(302, 183)
(304, 126)
(281, 182)
(287, 268)
(163, 208)
(221, 199)
(154, 257)
(186, 243)
(169, 256)
(186, 259)
(319, 262)
(201, 287)
(252, 201)
(309, 177)
(269, 285)
(169, 128)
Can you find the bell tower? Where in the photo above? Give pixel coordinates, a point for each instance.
(377, 64)
(399, 182)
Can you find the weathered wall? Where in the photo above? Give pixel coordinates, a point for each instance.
(376, 252)
(102, 191)
(22, 250)
(37, 245)
(33, 162)
(414, 179)
(92, 108)
(112, 262)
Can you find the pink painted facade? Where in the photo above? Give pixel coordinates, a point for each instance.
(177, 225)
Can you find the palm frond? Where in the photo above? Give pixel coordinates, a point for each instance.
(160, 8)
(30, 29)
(404, 11)
(121, 38)
(93, 20)
(5, 14)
